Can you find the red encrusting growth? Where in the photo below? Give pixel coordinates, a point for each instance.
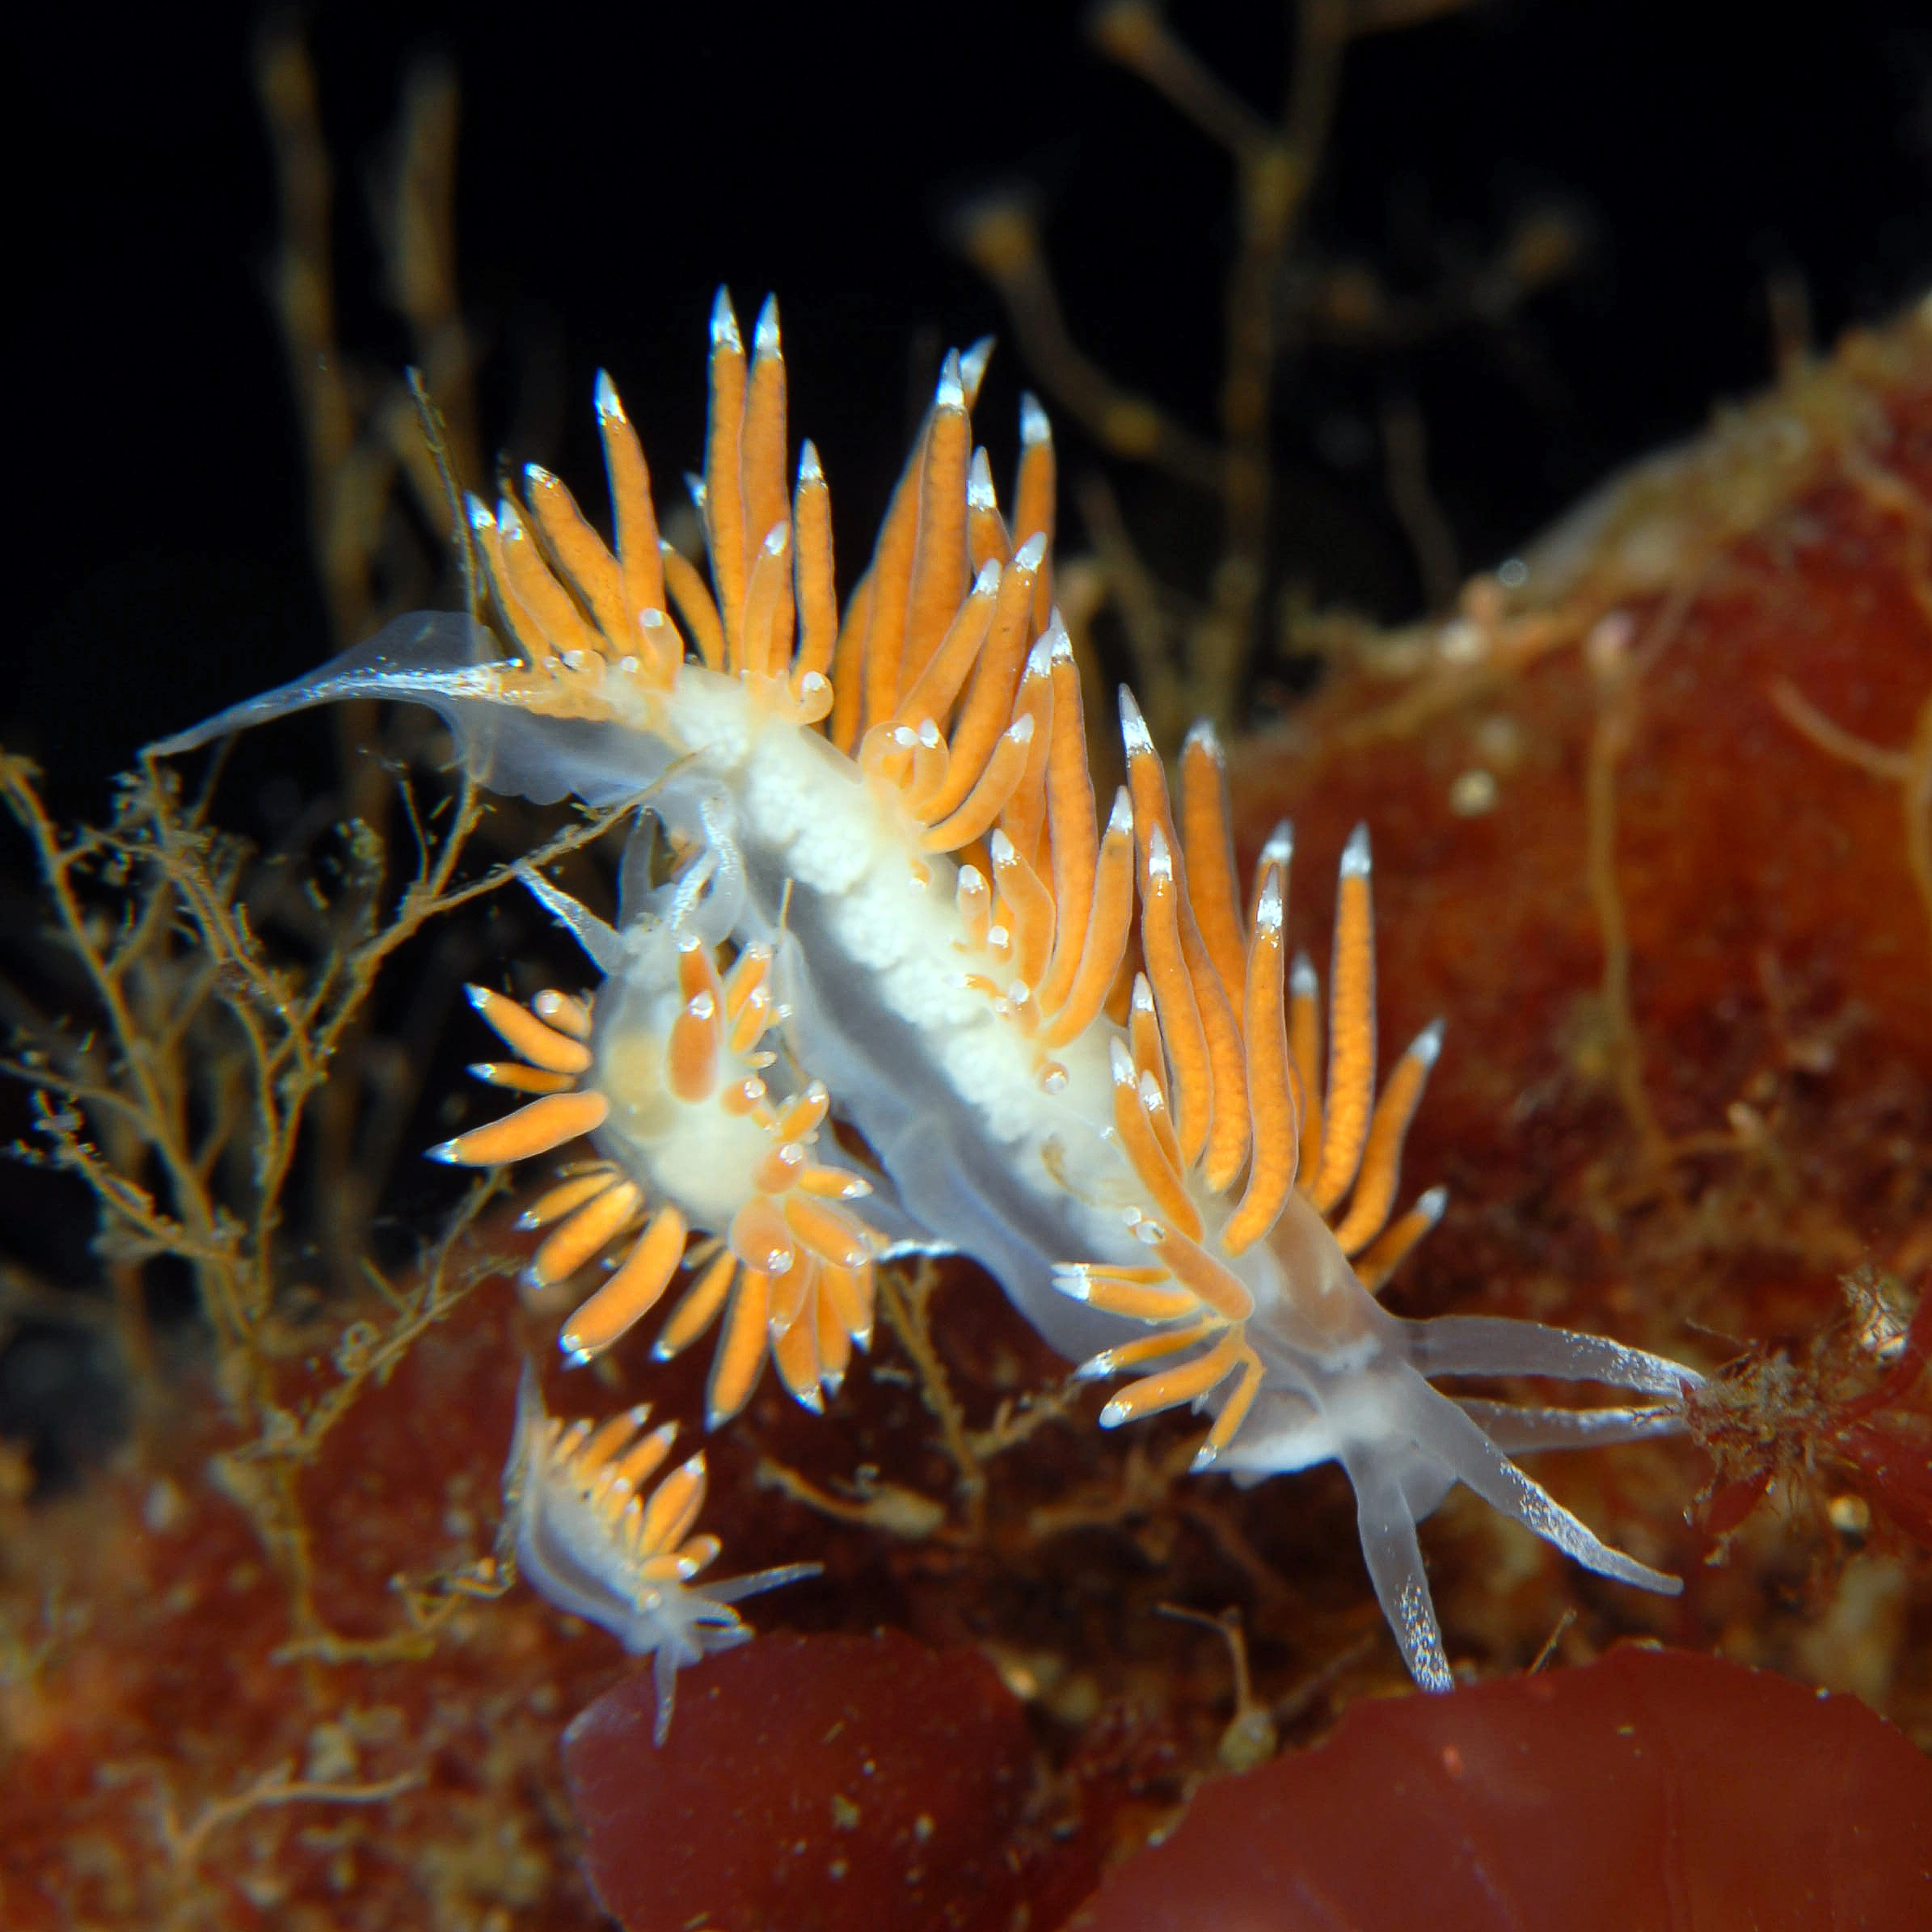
(810, 1783)
(1652, 1788)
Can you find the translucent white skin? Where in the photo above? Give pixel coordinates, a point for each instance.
(979, 1154)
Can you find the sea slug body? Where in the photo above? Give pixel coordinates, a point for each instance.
(870, 882)
(594, 1541)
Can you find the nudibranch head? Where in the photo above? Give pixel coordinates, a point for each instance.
(595, 1539)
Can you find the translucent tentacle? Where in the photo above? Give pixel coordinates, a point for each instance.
(1517, 1431)
(1394, 1557)
(1494, 1345)
(1446, 1432)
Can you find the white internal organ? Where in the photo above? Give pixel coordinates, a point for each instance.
(801, 813)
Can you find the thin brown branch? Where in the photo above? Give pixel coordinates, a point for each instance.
(1138, 599)
(1405, 468)
(908, 1313)
(278, 1786)
(1620, 667)
(1133, 33)
(1874, 761)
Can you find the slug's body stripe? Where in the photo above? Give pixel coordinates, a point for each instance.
(762, 457)
(540, 1128)
(1035, 495)
(724, 503)
(577, 553)
(1304, 1039)
(941, 569)
(1075, 866)
(1216, 1100)
(633, 516)
(1385, 1254)
(632, 1291)
(939, 683)
(527, 1035)
(695, 606)
(986, 539)
(1273, 1106)
(817, 599)
(1209, 853)
(1381, 1169)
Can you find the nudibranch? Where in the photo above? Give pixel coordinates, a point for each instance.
(591, 1540)
(869, 837)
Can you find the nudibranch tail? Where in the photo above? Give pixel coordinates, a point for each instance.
(1264, 1220)
(592, 1537)
(1214, 1088)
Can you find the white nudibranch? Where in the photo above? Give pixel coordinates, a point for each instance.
(889, 902)
(597, 1541)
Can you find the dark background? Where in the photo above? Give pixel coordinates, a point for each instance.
(617, 163)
